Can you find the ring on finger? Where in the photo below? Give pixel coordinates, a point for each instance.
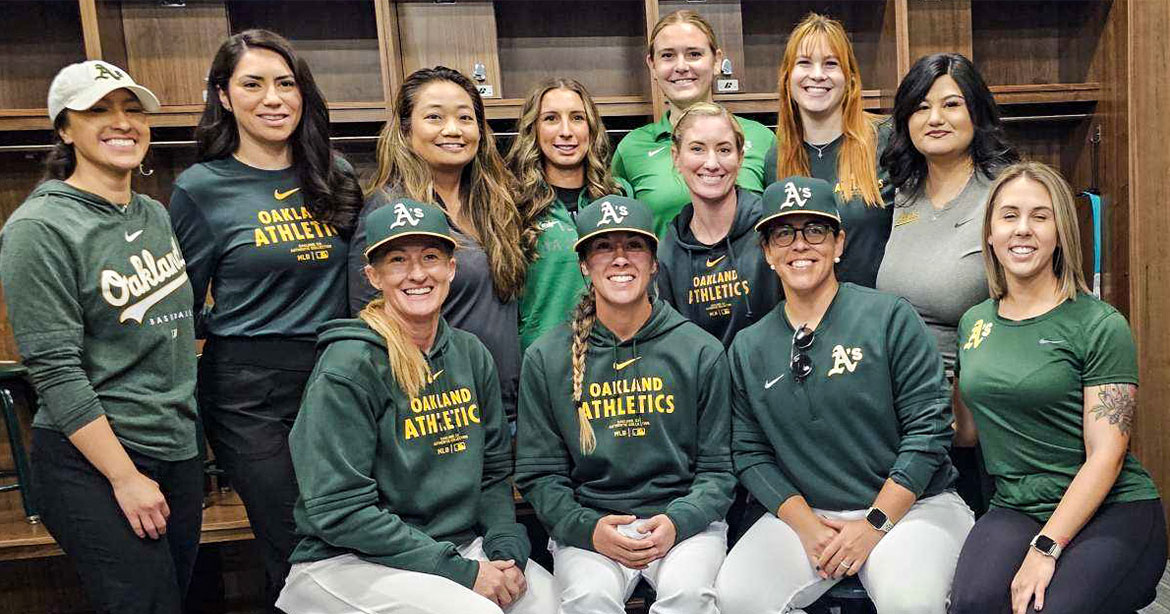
(845, 564)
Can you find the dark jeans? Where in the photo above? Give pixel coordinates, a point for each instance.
(1112, 566)
(249, 395)
(121, 572)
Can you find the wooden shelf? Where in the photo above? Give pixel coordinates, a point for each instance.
(1047, 93)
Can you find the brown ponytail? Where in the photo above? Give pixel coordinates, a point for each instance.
(581, 324)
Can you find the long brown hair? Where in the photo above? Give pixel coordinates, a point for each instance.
(581, 323)
(489, 207)
(534, 195)
(857, 162)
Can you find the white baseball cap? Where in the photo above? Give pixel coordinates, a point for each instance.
(79, 86)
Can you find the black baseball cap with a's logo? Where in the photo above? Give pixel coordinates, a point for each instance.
(799, 195)
(405, 217)
(613, 213)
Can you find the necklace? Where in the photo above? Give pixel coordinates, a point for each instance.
(821, 149)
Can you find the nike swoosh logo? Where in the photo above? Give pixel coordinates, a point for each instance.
(436, 374)
(1051, 341)
(278, 195)
(768, 384)
(961, 222)
(618, 366)
(655, 152)
(130, 236)
(711, 263)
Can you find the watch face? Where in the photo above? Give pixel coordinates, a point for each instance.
(1044, 543)
(877, 518)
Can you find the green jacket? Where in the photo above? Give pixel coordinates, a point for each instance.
(658, 405)
(875, 407)
(100, 304)
(401, 481)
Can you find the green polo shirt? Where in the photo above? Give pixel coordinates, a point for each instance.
(643, 159)
(1024, 383)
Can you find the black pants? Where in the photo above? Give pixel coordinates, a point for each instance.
(249, 395)
(1112, 566)
(122, 573)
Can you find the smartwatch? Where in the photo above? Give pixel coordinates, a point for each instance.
(878, 520)
(1046, 545)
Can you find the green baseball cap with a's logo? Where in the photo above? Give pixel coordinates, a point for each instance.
(799, 195)
(404, 217)
(613, 213)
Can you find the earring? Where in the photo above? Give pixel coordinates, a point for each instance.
(772, 267)
(836, 261)
(145, 172)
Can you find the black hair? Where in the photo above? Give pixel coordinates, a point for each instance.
(331, 191)
(62, 159)
(989, 148)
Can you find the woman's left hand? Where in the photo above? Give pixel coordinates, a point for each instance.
(847, 552)
(662, 533)
(1031, 581)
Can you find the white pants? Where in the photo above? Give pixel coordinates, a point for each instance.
(347, 585)
(908, 572)
(684, 579)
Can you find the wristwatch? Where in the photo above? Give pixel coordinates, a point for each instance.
(878, 520)
(1047, 546)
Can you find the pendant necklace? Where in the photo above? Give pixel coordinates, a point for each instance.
(821, 149)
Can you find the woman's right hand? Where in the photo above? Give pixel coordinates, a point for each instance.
(142, 503)
(629, 552)
(814, 535)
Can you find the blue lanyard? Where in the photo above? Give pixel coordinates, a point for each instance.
(1096, 204)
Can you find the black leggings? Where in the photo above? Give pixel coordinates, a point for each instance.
(1112, 566)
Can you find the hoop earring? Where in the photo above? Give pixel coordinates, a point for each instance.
(142, 170)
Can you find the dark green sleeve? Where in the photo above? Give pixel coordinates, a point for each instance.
(755, 460)
(198, 243)
(665, 287)
(333, 445)
(360, 290)
(503, 537)
(921, 399)
(40, 280)
(1110, 356)
(711, 491)
(770, 170)
(543, 463)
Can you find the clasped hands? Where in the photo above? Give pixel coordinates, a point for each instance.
(659, 535)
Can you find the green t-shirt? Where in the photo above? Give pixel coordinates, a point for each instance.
(643, 159)
(1024, 383)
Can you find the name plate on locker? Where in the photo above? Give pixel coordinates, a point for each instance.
(486, 91)
(727, 86)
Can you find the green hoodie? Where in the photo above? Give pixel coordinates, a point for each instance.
(723, 287)
(401, 481)
(658, 403)
(100, 305)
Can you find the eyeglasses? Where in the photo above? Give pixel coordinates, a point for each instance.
(799, 361)
(814, 233)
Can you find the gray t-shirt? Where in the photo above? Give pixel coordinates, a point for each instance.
(934, 259)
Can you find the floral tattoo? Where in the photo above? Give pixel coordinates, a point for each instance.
(1118, 405)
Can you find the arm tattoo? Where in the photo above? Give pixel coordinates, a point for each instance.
(1118, 405)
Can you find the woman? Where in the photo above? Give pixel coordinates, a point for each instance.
(710, 265)
(824, 132)
(402, 452)
(438, 148)
(263, 220)
(844, 438)
(683, 57)
(100, 306)
(559, 161)
(947, 144)
(1076, 524)
(622, 442)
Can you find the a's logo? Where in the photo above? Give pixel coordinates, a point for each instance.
(905, 218)
(655, 152)
(130, 236)
(278, 195)
(618, 366)
(106, 72)
(152, 281)
(548, 224)
(845, 359)
(406, 215)
(978, 333)
(1050, 341)
(795, 197)
(611, 214)
(711, 263)
(772, 382)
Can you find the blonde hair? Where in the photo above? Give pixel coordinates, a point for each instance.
(534, 195)
(1066, 260)
(581, 324)
(857, 162)
(707, 109)
(407, 362)
(488, 207)
(680, 17)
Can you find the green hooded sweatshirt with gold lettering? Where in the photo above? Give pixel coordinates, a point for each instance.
(397, 480)
(659, 406)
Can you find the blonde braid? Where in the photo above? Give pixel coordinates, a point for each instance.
(407, 363)
(582, 323)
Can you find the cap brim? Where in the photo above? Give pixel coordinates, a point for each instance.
(602, 231)
(408, 234)
(89, 97)
(775, 216)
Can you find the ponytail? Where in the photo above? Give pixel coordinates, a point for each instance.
(410, 368)
(582, 324)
